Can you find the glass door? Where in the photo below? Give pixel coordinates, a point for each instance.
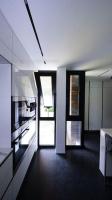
(46, 108)
(75, 108)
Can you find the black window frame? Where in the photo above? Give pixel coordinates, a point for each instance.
(37, 76)
(79, 117)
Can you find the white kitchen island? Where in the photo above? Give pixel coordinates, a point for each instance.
(105, 161)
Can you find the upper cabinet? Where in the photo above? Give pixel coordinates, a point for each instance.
(11, 47)
(5, 32)
(23, 83)
(15, 83)
(95, 105)
(5, 105)
(107, 104)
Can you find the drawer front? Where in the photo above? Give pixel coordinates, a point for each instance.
(21, 172)
(17, 180)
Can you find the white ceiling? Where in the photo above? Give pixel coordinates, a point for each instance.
(72, 33)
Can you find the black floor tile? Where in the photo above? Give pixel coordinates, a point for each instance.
(74, 176)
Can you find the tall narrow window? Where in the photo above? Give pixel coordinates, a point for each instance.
(75, 108)
(47, 108)
(73, 132)
(46, 98)
(74, 95)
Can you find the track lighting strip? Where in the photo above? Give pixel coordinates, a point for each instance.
(34, 29)
(100, 75)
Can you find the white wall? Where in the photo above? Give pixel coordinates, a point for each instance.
(61, 110)
(95, 110)
(107, 104)
(98, 109)
(5, 105)
(86, 115)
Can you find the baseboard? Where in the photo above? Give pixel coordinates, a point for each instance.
(91, 131)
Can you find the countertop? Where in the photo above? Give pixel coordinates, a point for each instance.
(4, 154)
(107, 131)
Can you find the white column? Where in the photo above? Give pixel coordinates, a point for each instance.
(61, 110)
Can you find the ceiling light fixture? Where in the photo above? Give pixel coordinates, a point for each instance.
(34, 29)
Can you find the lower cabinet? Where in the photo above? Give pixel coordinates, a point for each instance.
(105, 162)
(6, 174)
(18, 178)
(8, 194)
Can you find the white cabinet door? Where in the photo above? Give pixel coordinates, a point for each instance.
(95, 112)
(107, 104)
(5, 105)
(86, 104)
(5, 32)
(23, 83)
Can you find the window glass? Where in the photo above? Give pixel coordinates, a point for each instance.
(46, 98)
(74, 95)
(73, 133)
(46, 133)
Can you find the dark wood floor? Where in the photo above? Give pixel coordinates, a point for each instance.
(75, 176)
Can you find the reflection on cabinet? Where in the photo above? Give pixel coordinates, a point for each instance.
(10, 46)
(17, 180)
(16, 177)
(5, 105)
(23, 84)
(6, 174)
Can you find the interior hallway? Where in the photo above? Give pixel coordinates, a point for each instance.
(73, 176)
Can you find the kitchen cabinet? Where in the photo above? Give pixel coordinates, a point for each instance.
(23, 83)
(5, 105)
(6, 169)
(105, 162)
(9, 86)
(14, 187)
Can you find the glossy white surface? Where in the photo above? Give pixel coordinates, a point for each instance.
(5, 105)
(10, 46)
(107, 131)
(105, 161)
(23, 83)
(18, 178)
(102, 152)
(6, 172)
(4, 152)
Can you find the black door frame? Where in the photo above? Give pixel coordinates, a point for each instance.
(80, 117)
(53, 75)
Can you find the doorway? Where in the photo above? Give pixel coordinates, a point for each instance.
(46, 108)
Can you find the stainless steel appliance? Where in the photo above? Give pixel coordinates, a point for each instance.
(23, 126)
